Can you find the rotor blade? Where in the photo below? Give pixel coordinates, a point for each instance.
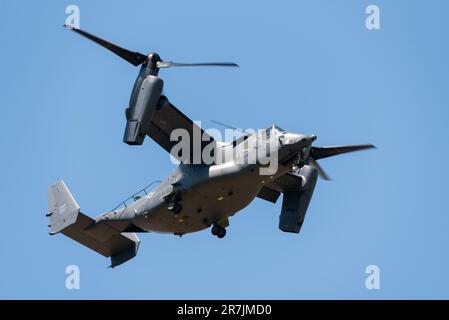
(321, 171)
(325, 152)
(225, 125)
(169, 64)
(134, 58)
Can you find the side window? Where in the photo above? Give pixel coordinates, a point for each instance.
(268, 133)
(265, 135)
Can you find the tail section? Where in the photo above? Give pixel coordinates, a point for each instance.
(62, 207)
(66, 218)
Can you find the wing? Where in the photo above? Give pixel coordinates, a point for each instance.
(167, 118)
(291, 181)
(297, 189)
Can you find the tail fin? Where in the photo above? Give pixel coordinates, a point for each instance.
(62, 207)
(65, 217)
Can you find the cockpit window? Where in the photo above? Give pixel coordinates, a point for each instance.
(272, 131)
(268, 133)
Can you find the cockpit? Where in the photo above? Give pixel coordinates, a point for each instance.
(264, 134)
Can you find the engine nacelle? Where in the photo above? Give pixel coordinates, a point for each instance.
(296, 201)
(139, 114)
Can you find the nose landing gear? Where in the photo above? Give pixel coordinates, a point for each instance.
(218, 231)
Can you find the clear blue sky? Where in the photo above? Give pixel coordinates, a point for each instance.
(308, 66)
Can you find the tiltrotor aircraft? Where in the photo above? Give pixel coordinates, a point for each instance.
(198, 194)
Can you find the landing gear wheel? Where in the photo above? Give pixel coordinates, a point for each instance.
(221, 233)
(218, 231)
(215, 230)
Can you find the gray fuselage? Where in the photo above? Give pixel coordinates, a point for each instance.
(209, 193)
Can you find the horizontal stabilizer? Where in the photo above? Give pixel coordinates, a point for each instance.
(66, 218)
